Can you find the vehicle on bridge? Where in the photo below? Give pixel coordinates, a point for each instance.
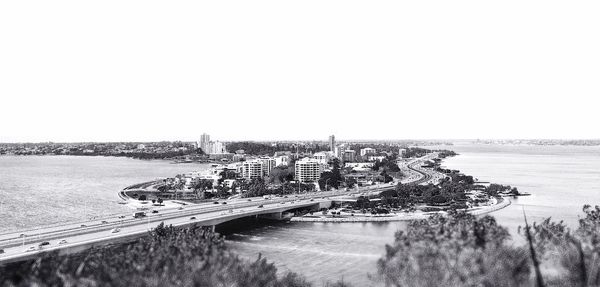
(31, 248)
(139, 214)
(115, 230)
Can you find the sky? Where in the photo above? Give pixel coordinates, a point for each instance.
(292, 70)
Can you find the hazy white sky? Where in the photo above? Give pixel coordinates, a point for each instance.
(154, 70)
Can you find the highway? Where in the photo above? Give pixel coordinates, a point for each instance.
(420, 175)
(24, 244)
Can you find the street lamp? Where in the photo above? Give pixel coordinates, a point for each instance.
(326, 183)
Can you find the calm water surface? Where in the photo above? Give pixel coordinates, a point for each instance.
(35, 190)
(41, 190)
(561, 180)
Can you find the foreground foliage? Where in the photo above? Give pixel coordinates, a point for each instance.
(460, 250)
(464, 250)
(168, 257)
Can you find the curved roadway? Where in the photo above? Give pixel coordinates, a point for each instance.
(24, 244)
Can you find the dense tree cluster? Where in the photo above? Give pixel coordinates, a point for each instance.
(258, 148)
(456, 176)
(258, 187)
(464, 250)
(281, 174)
(494, 189)
(460, 250)
(388, 164)
(415, 152)
(446, 193)
(331, 178)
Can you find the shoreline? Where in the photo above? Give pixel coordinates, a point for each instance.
(504, 202)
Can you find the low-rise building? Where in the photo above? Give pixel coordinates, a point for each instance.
(376, 158)
(367, 151)
(239, 157)
(283, 160)
(359, 166)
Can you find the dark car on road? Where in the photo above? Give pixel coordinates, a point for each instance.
(44, 243)
(154, 211)
(260, 206)
(192, 218)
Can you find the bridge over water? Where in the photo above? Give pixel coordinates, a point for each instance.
(78, 236)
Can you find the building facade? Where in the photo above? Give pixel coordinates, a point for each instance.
(283, 160)
(268, 164)
(308, 170)
(252, 169)
(322, 157)
(367, 151)
(349, 155)
(204, 143)
(331, 143)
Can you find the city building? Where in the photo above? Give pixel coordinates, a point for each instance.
(282, 153)
(239, 157)
(204, 143)
(367, 151)
(401, 151)
(331, 143)
(210, 147)
(349, 155)
(308, 170)
(359, 166)
(252, 169)
(283, 160)
(322, 157)
(376, 158)
(217, 147)
(268, 164)
(338, 151)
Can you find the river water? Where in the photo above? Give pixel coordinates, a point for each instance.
(561, 180)
(49, 189)
(42, 190)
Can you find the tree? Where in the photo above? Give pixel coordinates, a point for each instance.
(362, 202)
(386, 177)
(226, 174)
(332, 178)
(223, 191)
(281, 174)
